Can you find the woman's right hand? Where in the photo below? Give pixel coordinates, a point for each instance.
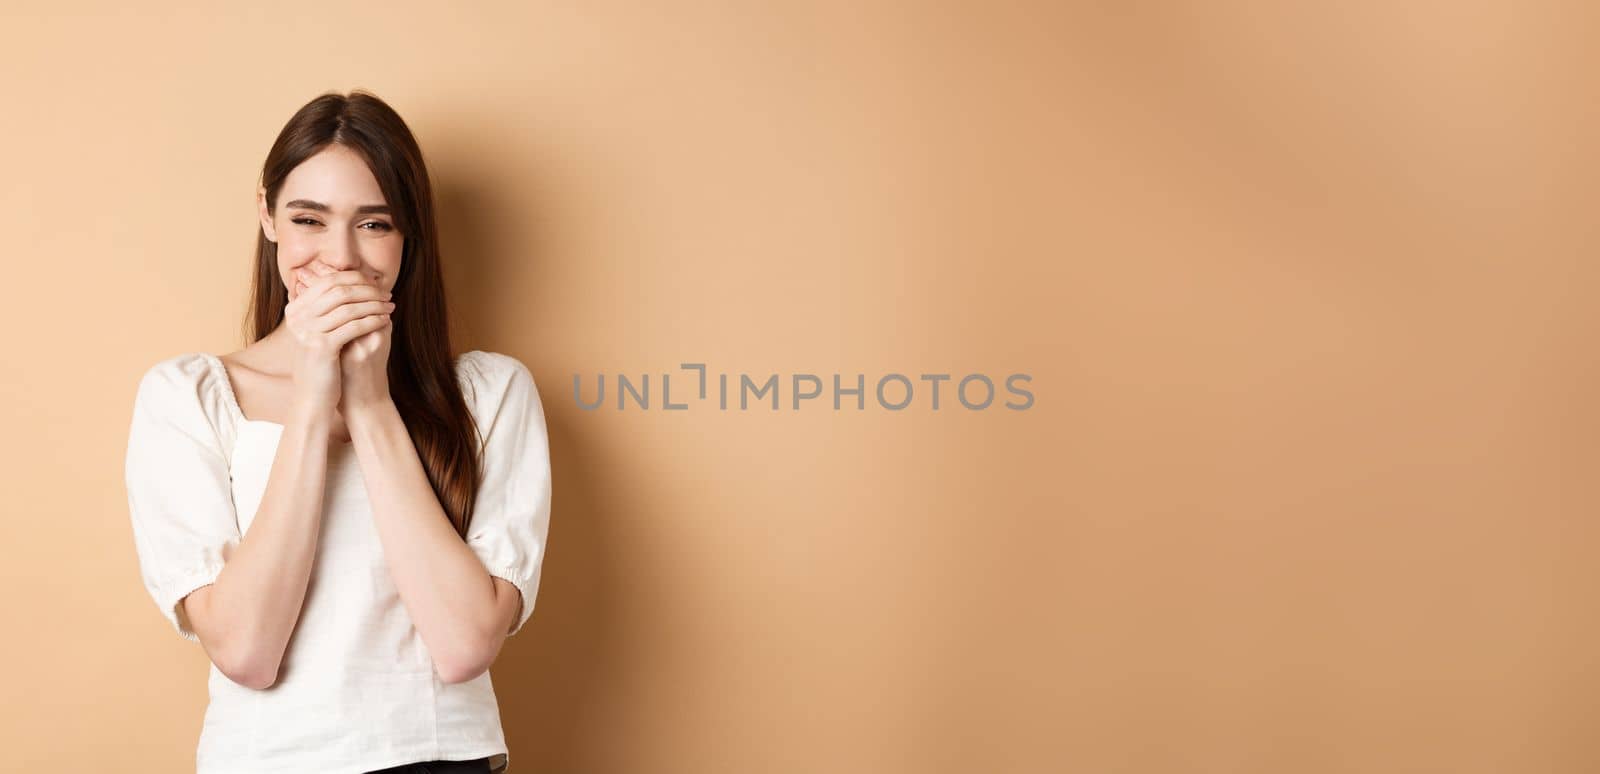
(324, 313)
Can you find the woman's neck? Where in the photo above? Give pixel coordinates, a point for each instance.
(272, 355)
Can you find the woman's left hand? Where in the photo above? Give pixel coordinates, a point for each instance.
(364, 370)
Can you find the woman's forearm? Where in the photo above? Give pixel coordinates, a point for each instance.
(245, 618)
(455, 604)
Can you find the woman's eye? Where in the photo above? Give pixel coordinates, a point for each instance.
(305, 221)
(378, 225)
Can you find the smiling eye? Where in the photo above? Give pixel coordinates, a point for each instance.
(380, 225)
(305, 221)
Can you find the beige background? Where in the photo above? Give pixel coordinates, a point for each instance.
(1306, 296)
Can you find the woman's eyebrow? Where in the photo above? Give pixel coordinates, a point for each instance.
(307, 204)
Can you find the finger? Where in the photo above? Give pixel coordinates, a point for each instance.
(346, 277)
(321, 301)
(315, 277)
(315, 282)
(348, 332)
(346, 312)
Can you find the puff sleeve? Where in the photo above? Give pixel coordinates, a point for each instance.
(180, 496)
(511, 516)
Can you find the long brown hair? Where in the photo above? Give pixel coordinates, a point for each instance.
(422, 376)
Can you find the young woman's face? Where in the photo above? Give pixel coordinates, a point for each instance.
(331, 216)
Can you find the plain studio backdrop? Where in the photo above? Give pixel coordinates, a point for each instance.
(1306, 298)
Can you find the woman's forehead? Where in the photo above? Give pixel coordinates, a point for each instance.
(336, 176)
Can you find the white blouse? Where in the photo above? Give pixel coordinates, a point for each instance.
(357, 690)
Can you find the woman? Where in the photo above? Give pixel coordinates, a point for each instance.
(349, 520)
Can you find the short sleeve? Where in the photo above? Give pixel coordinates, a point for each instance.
(180, 496)
(511, 516)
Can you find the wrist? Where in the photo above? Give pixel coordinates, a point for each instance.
(364, 414)
(312, 417)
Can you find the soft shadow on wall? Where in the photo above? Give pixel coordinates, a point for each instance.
(546, 676)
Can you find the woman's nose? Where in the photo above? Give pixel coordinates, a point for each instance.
(341, 255)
